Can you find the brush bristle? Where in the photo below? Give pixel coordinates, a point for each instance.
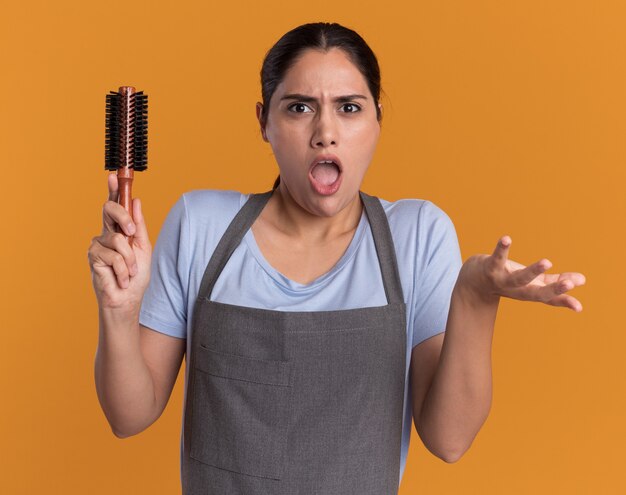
(140, 161)
(126, 131)
(112, 131)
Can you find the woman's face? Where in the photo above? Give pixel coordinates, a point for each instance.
(322, 110)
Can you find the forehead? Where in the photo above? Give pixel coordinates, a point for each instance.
(317, 72)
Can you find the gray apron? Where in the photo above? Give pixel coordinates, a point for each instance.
(295, 403)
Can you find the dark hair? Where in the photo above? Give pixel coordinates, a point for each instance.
(319, 36)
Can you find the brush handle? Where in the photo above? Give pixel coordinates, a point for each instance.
(125, 185)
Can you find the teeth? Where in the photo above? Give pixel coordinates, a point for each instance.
(326, 161)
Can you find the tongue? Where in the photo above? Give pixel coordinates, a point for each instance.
(325, 173)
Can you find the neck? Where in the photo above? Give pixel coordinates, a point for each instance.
(290, 218)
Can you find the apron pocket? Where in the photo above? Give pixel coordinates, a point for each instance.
(240, 412)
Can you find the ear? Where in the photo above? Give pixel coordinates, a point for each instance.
(259, 116)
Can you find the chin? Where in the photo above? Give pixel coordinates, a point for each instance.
(320, 205)
(329, 206)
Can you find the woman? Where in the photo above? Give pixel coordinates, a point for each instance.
(312, 316)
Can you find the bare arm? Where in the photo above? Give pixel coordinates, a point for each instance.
(135, 367)
(135, 372)
(451, 380)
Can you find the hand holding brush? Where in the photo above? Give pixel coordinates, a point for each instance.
(120, 257)
(126, 148)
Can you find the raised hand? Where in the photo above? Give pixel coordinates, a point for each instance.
(120, 271)
(491, 276)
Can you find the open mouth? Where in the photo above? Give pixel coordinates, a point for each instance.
(326, 172)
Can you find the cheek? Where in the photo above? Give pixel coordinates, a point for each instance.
(288, 148)
(363, 140)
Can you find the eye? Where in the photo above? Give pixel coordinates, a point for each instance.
(351, 107)
(299, 108)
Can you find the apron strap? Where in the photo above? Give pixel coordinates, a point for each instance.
(253, 207)
(384, 248)
(238, 227)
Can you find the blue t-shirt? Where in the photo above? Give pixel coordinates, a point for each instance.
(427, 252)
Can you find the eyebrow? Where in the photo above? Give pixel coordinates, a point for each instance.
(306, 98)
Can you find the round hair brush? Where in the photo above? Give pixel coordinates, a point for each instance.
(126, 141)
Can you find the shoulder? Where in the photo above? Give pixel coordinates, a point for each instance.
(422, 231)
(200, 215)
(199, 200)
(412, 214)
(211, 207)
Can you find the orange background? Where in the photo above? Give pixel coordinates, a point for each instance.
(508, 115)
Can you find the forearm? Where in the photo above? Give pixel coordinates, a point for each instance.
(123, 380)
(459, 398)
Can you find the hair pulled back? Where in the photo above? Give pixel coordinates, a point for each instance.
(318, 36)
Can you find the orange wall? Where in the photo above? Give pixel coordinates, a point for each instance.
(508, 115)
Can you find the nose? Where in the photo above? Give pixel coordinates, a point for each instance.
(325, 130)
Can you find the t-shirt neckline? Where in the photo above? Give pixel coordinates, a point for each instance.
(292, 285)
